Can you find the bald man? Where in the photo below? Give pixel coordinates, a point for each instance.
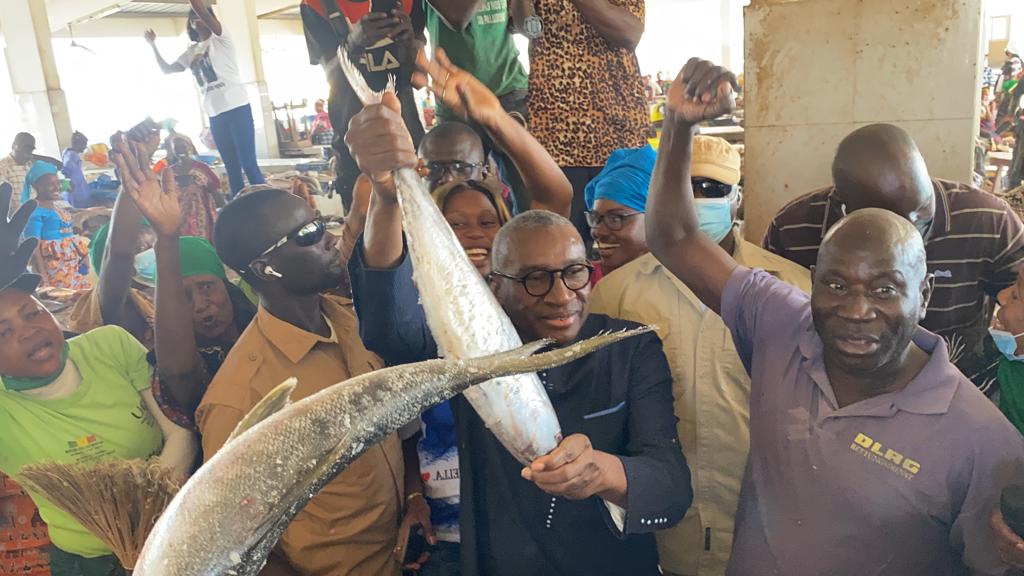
(870, 453)
(974, 241)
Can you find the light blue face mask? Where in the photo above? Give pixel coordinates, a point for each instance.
(1007, 344)
(145, 267)
(715, 216)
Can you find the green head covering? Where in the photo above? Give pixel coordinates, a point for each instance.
(99, 243)
(198, 257)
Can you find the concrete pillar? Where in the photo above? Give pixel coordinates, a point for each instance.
(239, 20)
(818, 69)
(42, 107)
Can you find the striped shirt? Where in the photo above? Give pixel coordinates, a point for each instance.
(974, 246)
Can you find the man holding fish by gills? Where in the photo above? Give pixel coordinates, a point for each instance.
(591, 505)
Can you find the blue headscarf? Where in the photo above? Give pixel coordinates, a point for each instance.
(624, 179)
(37, 171)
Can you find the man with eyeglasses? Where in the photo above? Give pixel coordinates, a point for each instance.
(592, 505)
(974, 240)
(710, 386)
(278, 244)
(455, 151)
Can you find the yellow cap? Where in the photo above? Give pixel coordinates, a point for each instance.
(716, 159)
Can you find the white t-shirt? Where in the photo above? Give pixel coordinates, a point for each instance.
(215, 70)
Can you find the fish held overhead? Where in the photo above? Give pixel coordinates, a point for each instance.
(230, 514)
(465, 318)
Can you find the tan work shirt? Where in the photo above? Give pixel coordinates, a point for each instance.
(351, 527)
(711, 389)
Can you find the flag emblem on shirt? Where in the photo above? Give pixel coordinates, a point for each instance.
(82, 442)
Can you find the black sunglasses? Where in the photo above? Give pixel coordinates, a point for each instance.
(306, 235)
(709, 188)
(540, 282)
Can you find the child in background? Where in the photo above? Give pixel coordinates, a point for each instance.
(1008, 333)
(62, 255)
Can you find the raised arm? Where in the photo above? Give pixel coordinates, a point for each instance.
(165, 67)
(700, 92)
(468, 97)
(207, 16)
(457, 14)
(619, 26)
(118, 259)
(380, 143)
(179, 366)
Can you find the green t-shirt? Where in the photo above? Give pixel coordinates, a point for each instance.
(1011, 391)
(484, 49)
(104, 418)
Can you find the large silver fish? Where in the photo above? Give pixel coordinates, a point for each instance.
(464, 316)
(230, 514)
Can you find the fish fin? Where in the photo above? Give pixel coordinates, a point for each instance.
(275, 401)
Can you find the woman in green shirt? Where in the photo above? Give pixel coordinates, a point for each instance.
(81, 400)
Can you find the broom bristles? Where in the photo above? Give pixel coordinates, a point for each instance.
(118, 501)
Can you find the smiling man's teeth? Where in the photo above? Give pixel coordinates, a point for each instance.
(602, 246)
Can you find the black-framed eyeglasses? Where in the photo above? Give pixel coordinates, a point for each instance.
(613, 220)
(306, 235)
(540, 282)
(437, 170)
(709, 188)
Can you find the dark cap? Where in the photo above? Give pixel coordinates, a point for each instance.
(25, 139)
(26, 283)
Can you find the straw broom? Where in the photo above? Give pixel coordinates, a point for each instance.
(119, 501)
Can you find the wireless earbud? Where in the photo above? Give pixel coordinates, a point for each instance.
(269, 271)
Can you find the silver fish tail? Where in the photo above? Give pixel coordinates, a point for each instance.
(229, 515)
(464, 316)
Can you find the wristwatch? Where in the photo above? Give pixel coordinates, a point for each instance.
(532, 27)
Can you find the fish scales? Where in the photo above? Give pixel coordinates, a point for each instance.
(230, 514)
(465, 318)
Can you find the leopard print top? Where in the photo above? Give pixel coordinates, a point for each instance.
(586, 98)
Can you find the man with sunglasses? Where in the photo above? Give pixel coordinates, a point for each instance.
(974, 239)
(592, 505)
(710, 386)
(278, 244)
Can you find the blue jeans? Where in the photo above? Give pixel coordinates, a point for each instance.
(235, 136)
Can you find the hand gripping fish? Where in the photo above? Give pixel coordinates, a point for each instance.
(464, 316)
(230, 514)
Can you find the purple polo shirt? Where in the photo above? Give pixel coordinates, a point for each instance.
(899, 484)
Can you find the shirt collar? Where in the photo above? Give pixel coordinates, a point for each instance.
(941, 223)
(742, 253)
(294, 342)
(930, 392)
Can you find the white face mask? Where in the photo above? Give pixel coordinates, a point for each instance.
(715, 215)
(145, 267)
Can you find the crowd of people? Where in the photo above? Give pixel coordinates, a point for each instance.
(846, 397)
(1002, 114)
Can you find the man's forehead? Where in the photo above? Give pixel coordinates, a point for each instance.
(457, 147)
(547, 248)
